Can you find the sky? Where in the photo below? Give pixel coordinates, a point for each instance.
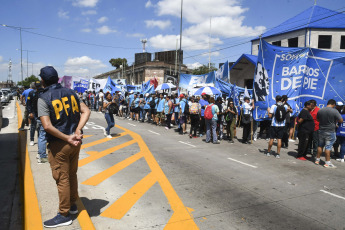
(79, 37)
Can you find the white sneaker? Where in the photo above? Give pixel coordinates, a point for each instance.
(105, 132)
(340, 160)
(291, 140)
(268, 154)
(109, 136)
(38, 156)
(254, 139)
(130, 119)
(42, 160)
(278, 156)
(32, 143)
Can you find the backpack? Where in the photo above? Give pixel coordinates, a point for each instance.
(186, 108)
(194, 109)
(208, 115)
(152, 103)
(280, 113)
(112, 109)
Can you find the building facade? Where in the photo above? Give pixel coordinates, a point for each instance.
(316, 27)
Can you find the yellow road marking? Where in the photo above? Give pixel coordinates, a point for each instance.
(86, 136)
(99, 155)
(100, 177)
(100, 141)
(118, 209)
(92, 152)
(32, 214)
(83, 217)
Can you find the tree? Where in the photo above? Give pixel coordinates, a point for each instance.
(27, 81)
(118, 62)
(203, 69)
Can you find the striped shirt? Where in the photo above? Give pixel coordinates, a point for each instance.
(275, 123)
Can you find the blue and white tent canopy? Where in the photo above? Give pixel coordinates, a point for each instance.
(165, 86)
(208, 90)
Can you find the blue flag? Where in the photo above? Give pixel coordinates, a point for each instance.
(223, 72)
(300, 73)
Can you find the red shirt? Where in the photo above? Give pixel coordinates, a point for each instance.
(313, 113)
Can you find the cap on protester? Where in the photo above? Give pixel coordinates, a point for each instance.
(120, 93)
(131, 91)
(181, 95)
(203, 94)
(49, 75)
(37, 84)
(339, 103)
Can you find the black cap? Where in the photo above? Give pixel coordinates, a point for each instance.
(49, 74)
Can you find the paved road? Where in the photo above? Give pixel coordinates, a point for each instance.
(149, 178)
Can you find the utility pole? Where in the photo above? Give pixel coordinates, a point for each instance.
(21, 44)
(180, 51)
(176, 57)
(209, 48)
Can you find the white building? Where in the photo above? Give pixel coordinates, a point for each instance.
(316, 27)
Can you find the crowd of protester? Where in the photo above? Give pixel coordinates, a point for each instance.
(317, 130)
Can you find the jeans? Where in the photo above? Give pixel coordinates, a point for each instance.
(313, 144)
(42, 140)
(326, 139)
(342, 146)
(32, 129)
(142, 113)
(110, 121)
(211, 124)
(176, 120)
(202, 125)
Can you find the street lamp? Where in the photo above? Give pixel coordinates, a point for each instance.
(21, 43)
(180, 56)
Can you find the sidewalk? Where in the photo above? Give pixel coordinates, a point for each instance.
(10, 195)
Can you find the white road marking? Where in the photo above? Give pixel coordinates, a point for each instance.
(131, 124)
(154, 132)
(332, 194)
(187, 144)
(253, 166)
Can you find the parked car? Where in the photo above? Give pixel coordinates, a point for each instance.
(4, 97)
(10, 94)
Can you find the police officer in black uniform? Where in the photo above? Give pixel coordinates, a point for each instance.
(63, 116)
(31, 105)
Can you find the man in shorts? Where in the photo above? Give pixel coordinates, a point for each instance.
(277, 127)
(328, 118)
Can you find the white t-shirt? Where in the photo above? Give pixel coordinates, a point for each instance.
(100, 96)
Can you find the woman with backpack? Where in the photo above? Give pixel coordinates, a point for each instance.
(194, 111)
(230, 118)
(108, 114)
(211, 117)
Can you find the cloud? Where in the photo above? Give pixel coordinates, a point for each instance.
(194, 65)
(102, 19)
(63, 14)
(157, 23)
(213, 53)
(86, 30)
(83, 65)
(1, 58)
(226, 22)
(105, 30)
(136, 35)
(85, 3)
(89, 12)
(148, 4)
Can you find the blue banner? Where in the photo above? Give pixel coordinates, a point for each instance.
(81, 86)
(223, 72)
(224, 87)
(134, 88)
(187, 80)
(300, 73)
(110, 86)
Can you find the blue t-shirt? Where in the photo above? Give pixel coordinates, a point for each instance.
(183, 104)
(202, 103)
(156, 103)
(136, 103)
(341, 129)
(147, 104)
(26, 94)
(177, 108)
(160, 106)
(131, 98)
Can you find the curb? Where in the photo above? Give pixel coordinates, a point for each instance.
(32, 215)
